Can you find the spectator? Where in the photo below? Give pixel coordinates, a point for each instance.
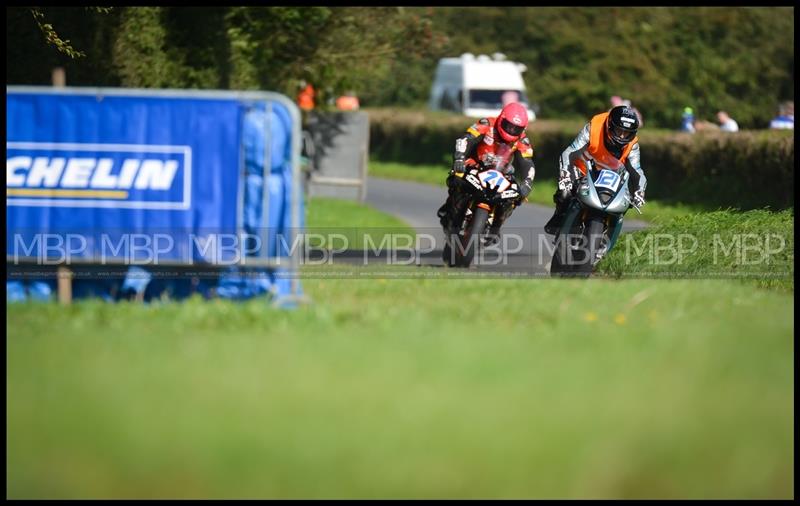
(617, 101)
(509, 96)
(785, 118)
(726, 123)
(687, 120)
(305, 98)
(635, 110)
(347, 102)
(701, 125)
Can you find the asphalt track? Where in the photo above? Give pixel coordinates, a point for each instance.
(525, 250)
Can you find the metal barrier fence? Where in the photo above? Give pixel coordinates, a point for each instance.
(121, 161)
(341, 154)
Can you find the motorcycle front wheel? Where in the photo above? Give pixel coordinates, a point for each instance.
(594, 241)
(573, 256)
(470, 241)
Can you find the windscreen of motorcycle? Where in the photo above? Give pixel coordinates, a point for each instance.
(498, 157)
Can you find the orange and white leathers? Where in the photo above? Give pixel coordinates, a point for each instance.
(589, 144)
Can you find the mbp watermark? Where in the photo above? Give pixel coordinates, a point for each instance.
(399, 249)
(749, 249)
(717, 249)
(513, 251)
(662, 249)
(131, 248)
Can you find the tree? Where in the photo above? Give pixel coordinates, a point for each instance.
(53, 38)
(662, 58)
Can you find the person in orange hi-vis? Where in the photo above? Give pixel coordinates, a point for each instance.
(305, 98)
(347, 102)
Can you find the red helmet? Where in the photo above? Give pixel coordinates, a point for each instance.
(512, 121)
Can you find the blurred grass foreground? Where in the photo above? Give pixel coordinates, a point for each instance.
(409, 389)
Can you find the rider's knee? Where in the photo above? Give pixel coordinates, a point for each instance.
(453, 183)
(561, 196)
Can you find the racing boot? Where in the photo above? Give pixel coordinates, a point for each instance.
(442, 213)
(447, 212)
(555, 222)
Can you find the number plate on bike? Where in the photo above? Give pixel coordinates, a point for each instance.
(607, 179)
(494, 179)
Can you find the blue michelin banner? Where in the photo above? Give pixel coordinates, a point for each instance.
(105, 175)
(98, 175)
(105, 168)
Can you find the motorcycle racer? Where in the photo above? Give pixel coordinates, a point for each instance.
(492, 143)
(609, 137)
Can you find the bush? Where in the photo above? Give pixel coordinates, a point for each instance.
(744, 170)
(421, 137)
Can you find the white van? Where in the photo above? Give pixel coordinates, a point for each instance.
(476, 86)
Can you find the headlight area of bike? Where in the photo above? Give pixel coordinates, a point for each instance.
(606, 182)
(478, 184)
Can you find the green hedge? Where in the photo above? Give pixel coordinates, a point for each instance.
(743, 170)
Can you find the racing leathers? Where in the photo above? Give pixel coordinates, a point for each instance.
(480, 147)
(592, 144)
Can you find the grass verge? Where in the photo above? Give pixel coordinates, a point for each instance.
(333, 223)
(756, 246)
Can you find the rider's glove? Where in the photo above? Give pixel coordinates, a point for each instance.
(638, 198)
(565, 182)
(519, 198)
(458, 167)
(564, 186)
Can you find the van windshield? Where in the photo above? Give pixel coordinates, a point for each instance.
(493, 99)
